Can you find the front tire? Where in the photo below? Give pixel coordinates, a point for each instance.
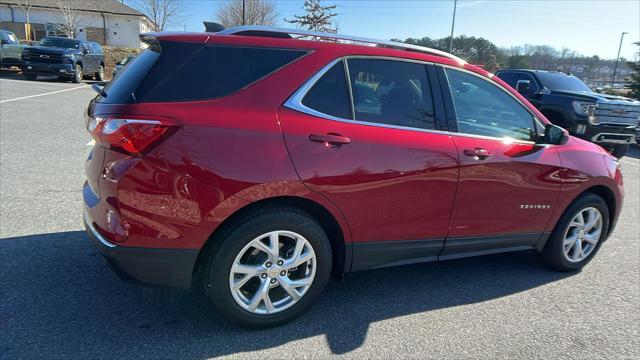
(269, 269)
(100, 74)
(578, 234)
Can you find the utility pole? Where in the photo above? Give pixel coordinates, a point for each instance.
(243, 12)
(453, 24)
(615, 68)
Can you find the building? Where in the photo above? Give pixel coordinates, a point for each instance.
(108, 22)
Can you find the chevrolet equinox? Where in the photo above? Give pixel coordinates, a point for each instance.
(255, 162)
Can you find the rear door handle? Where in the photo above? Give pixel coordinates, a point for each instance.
(479, 153)
(330, 139)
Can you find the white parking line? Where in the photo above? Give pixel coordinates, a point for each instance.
(629, 162)
(54, 82)
(44, 94)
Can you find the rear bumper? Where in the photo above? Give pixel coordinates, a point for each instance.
(147, 266)
(30, 67)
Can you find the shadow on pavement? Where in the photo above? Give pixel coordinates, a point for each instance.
(59, 300)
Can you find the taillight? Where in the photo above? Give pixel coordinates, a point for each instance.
(132, 136)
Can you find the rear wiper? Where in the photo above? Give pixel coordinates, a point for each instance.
(99, 89)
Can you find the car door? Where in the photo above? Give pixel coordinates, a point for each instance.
(508, 185)
(89, 59)
(376, 155)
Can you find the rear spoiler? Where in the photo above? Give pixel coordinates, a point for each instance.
(212, 27)
(152, 41)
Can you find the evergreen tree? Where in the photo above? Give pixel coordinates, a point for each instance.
(634, 79)
(317, 17)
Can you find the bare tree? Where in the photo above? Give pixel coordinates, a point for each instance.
(25, 5)
(69, 16)
(255, 12)
(161, 12)
(317, 17)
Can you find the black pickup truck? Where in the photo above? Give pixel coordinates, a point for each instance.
(69, 59)
(610, 121)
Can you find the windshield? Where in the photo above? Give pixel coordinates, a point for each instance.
(59, 43)
(563, 82)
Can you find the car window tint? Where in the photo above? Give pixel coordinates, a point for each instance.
(212, 72)
(391, 92)
(484, 109)
(329, 95)
(509, 77)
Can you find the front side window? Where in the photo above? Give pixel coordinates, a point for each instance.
(391, 92)
(484, 109)
(329, 95)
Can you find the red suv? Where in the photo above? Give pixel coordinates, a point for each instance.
(254, 164)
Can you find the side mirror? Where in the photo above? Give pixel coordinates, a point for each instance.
(85, 51)
(599, 90)
(553, 135)
(523, 87)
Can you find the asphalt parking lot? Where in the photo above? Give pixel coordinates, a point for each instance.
(59, 300)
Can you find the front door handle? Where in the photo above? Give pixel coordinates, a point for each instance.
(330, 139)
(478, 153)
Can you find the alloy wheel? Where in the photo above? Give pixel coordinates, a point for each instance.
(582, 234)
(272, 272)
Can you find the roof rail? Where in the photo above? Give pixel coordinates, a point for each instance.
(256, 30)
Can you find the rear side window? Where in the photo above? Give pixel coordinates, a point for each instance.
(217, 71)
(329, 95)
(392, 93)
(189, 72)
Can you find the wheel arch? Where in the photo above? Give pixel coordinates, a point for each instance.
(609, 197)
(341, 253)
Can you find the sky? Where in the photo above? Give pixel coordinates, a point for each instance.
(589, 27)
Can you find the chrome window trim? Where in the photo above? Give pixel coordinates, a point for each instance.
(526, 108)
(295, 102)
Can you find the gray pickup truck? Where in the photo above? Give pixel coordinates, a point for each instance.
(10, 49)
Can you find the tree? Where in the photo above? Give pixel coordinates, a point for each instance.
(317, 17)
(161, 12)
(25, 5)
(634, 79)
(69, 16)
(256, 12)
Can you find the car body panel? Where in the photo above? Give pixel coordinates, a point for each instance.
(405, 188)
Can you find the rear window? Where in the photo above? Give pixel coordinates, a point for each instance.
(188, 72)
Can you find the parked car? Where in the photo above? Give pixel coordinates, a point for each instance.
(10, 49)
(254, 165)
(120, 65)
(607, 120)
(68, 59)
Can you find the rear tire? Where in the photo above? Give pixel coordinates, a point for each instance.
(619, 150)
(234, 250)
(100, 74)
(77, 75)
(562, 249)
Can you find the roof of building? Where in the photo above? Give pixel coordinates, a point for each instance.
(101, 6)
